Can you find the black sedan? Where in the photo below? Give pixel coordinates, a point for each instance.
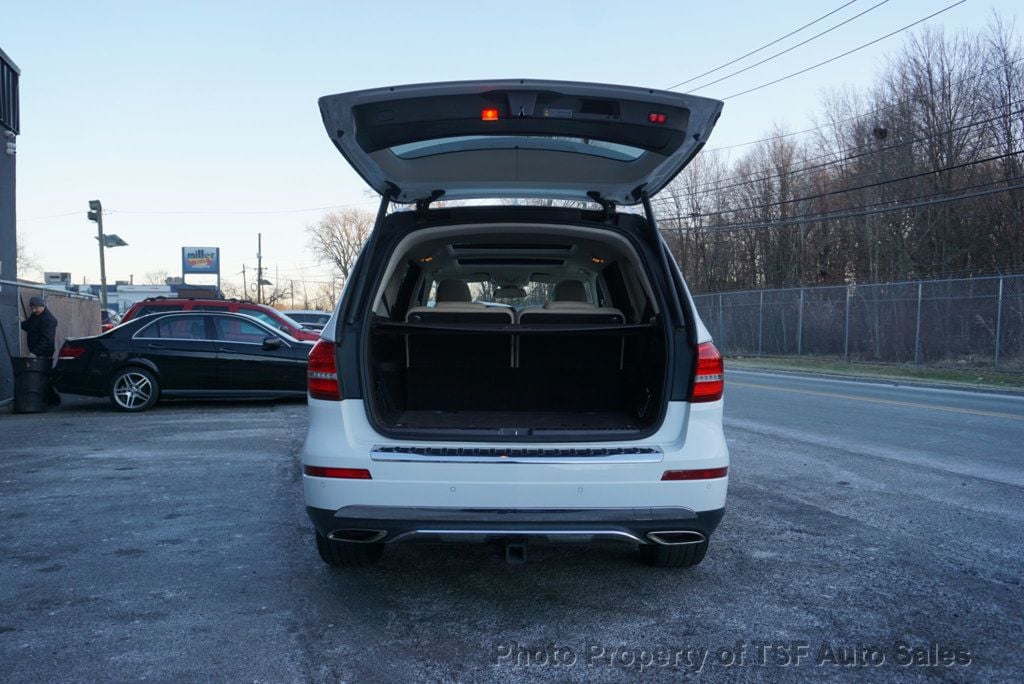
(183, 354)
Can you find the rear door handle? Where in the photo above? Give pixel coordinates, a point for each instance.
(157, 346)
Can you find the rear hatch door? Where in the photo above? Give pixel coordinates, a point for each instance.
(518, 138)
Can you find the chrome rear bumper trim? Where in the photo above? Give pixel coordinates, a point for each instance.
(486, 516)
(517, 455)
(483, 534)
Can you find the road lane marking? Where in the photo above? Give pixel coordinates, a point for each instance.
(890, 402)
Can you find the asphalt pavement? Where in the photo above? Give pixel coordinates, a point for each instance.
(872, 532)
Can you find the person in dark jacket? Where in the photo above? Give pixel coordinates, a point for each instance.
(41, 330)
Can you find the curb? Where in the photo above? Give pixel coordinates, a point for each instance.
(895, 382)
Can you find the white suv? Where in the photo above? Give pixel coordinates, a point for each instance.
(518, 371)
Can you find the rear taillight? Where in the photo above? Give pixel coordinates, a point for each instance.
(338, 473)
(710, 380)
(321, 373)
(699, 474)
(70, 351)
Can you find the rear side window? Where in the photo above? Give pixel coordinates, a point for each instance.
(175, 328)
(209, 307)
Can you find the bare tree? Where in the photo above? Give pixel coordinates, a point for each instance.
(277, 294)
(233, 290)
(322, 298)
(26, 261)
(338, 237)
(915, 177)
(271, 296)
(155, 278)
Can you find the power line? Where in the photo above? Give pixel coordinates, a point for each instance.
(873, 112)
(888, 203)
(848, 52)
(238, 211)
(791, 48)
(763, 47)
(813, 218)
(860, 187)
(694, 190)
(51, 216)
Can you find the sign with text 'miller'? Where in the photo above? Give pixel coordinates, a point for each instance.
(200, 260)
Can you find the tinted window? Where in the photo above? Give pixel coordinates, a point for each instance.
(159, 309)
(237, 330)
(265, 317)
(176, 328)
(462, 143)
(315, 319)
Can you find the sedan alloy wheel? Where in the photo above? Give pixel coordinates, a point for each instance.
(134, 389)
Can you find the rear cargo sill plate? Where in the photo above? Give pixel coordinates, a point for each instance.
(517, 455)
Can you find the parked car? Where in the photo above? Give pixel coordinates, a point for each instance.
(597, 416)
(310, 319)
(183, 354)
(108, 319)
(267, 314)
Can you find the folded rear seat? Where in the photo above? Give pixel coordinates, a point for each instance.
(448, 369)
(569, 349)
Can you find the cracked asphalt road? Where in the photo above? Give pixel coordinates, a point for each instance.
(864, 523)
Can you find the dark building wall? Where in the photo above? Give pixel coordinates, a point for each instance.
(9, 127)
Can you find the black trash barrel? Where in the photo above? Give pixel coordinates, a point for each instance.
(31, 384)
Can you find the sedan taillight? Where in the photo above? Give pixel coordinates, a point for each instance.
(321, 373)
(710, 380)
(70, 351)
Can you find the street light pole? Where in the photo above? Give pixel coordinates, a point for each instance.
(96, 214)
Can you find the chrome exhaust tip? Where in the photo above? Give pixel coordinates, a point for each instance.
(357, 536)
(676, 537)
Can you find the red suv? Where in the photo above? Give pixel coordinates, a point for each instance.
(267, 314)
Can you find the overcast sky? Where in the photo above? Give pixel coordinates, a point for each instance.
(180, 116)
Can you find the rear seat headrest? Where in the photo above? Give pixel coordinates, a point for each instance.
(453, 291)
(570, 291)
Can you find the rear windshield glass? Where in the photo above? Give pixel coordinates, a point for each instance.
(465, 143)
(515, 296)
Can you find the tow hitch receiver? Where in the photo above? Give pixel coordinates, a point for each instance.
(515, 553)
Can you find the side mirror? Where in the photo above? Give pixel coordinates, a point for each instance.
(271, 343)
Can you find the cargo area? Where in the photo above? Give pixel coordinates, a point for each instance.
(499, 331)
(521, 380)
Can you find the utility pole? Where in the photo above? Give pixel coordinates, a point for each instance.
(96, 214)
(245, 286)
(259, 268)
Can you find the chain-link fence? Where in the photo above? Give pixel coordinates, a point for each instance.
(972, 322)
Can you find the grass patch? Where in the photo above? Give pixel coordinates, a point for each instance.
(975, 378)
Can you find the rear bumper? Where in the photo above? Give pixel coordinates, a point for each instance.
(77, 383)
(389, 524)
